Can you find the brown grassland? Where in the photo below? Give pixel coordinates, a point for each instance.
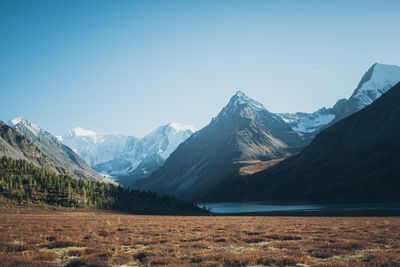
(40, 238)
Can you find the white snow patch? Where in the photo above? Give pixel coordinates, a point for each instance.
(33, 128)
(16, 120)
(382, 79)
(241, 98)
(78, 131)
(94, 148)
(179, 127)
(308, 125)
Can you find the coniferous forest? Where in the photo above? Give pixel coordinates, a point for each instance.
(22, 183)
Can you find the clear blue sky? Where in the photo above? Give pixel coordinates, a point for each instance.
(130, 66)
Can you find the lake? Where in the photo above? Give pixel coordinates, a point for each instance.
(268, 208)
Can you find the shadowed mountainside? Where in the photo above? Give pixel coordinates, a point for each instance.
(244, 130)
(354, 160)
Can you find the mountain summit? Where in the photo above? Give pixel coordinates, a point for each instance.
(180, 127)
(376, 81)
(25, 126)
(78, 131)
(94, 148)
(354, 160)
(60, 157)
(240, 105)
(244, 130)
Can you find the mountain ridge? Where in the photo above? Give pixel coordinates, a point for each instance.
(242, 130)
(127, 157)
(377, 80)
(354, 160)
(59, 156)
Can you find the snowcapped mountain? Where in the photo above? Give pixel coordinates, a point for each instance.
(308, 122)
(27, 127)
(127, 157)
(92, 147)
(375, 82)
(243, 130)
(148, 153)
(60, 157)
(164, 140)
(355, 160)
(16, 146)
(243, 105)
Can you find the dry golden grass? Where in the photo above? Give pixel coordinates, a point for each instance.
(254, 166)
(106, 239)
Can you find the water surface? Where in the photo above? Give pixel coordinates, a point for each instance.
(263, 207)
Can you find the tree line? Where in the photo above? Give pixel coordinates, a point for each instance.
(24, 183)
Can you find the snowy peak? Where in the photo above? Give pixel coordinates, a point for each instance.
(92, 147)
(171, 128)
(242, 105)
(78, 131)
(380, 74)
(165, 139)
(119, 155)
(241, 98)
(19, 122)
(180, 127)
(59, 157)
(375, 82)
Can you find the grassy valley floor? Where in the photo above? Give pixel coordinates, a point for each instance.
(91, 238)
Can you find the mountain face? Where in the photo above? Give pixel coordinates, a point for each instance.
(17, 146)
(127, 157)
(140, 157)
(243, 130)
(92, 147)
(59, 156)
(354, 160)
(375, 82)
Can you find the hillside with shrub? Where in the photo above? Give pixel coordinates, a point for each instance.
(24, 184)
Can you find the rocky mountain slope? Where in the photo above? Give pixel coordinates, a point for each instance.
(243, 130)
(92, 147)
(354, 160)
(17, 146)
(41, 147)
(127, 157)
(375, 82)
(140, 157)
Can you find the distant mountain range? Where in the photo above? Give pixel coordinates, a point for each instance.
(92, 147)
(245, 147)
(244, 131)
(354, 160)
(23, 139)
(127, 157)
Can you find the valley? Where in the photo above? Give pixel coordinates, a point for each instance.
(93, 238)
(199, 133)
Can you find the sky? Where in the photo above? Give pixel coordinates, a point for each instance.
(131, 66)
